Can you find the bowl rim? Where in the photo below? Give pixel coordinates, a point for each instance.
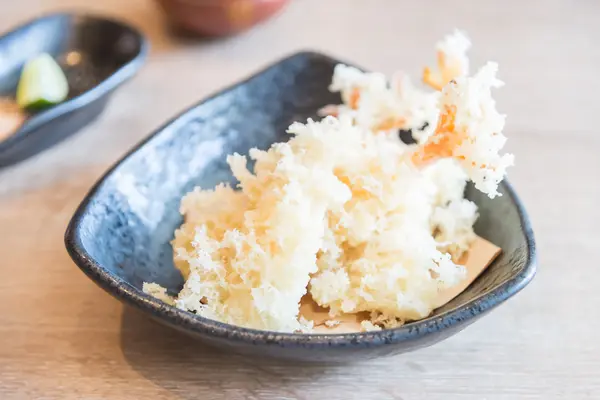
(127, 293)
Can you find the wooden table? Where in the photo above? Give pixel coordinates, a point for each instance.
(63, 338)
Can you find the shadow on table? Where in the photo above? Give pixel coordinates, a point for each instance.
(189, 368)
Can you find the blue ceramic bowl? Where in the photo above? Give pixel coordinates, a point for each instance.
(120, 234)
(108, 53)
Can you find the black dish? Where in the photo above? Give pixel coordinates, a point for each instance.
(120, 234)
(109, 53)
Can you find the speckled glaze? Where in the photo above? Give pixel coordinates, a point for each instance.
(120, 234)
(111, 52)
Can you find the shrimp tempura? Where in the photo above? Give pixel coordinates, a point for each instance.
(451, 59)
(380, 105)
(469, 130)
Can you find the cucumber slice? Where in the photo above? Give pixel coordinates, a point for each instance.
(42, 83)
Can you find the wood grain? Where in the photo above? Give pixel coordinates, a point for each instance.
(63, 338)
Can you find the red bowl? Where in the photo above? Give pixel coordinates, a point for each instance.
(219, 17)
